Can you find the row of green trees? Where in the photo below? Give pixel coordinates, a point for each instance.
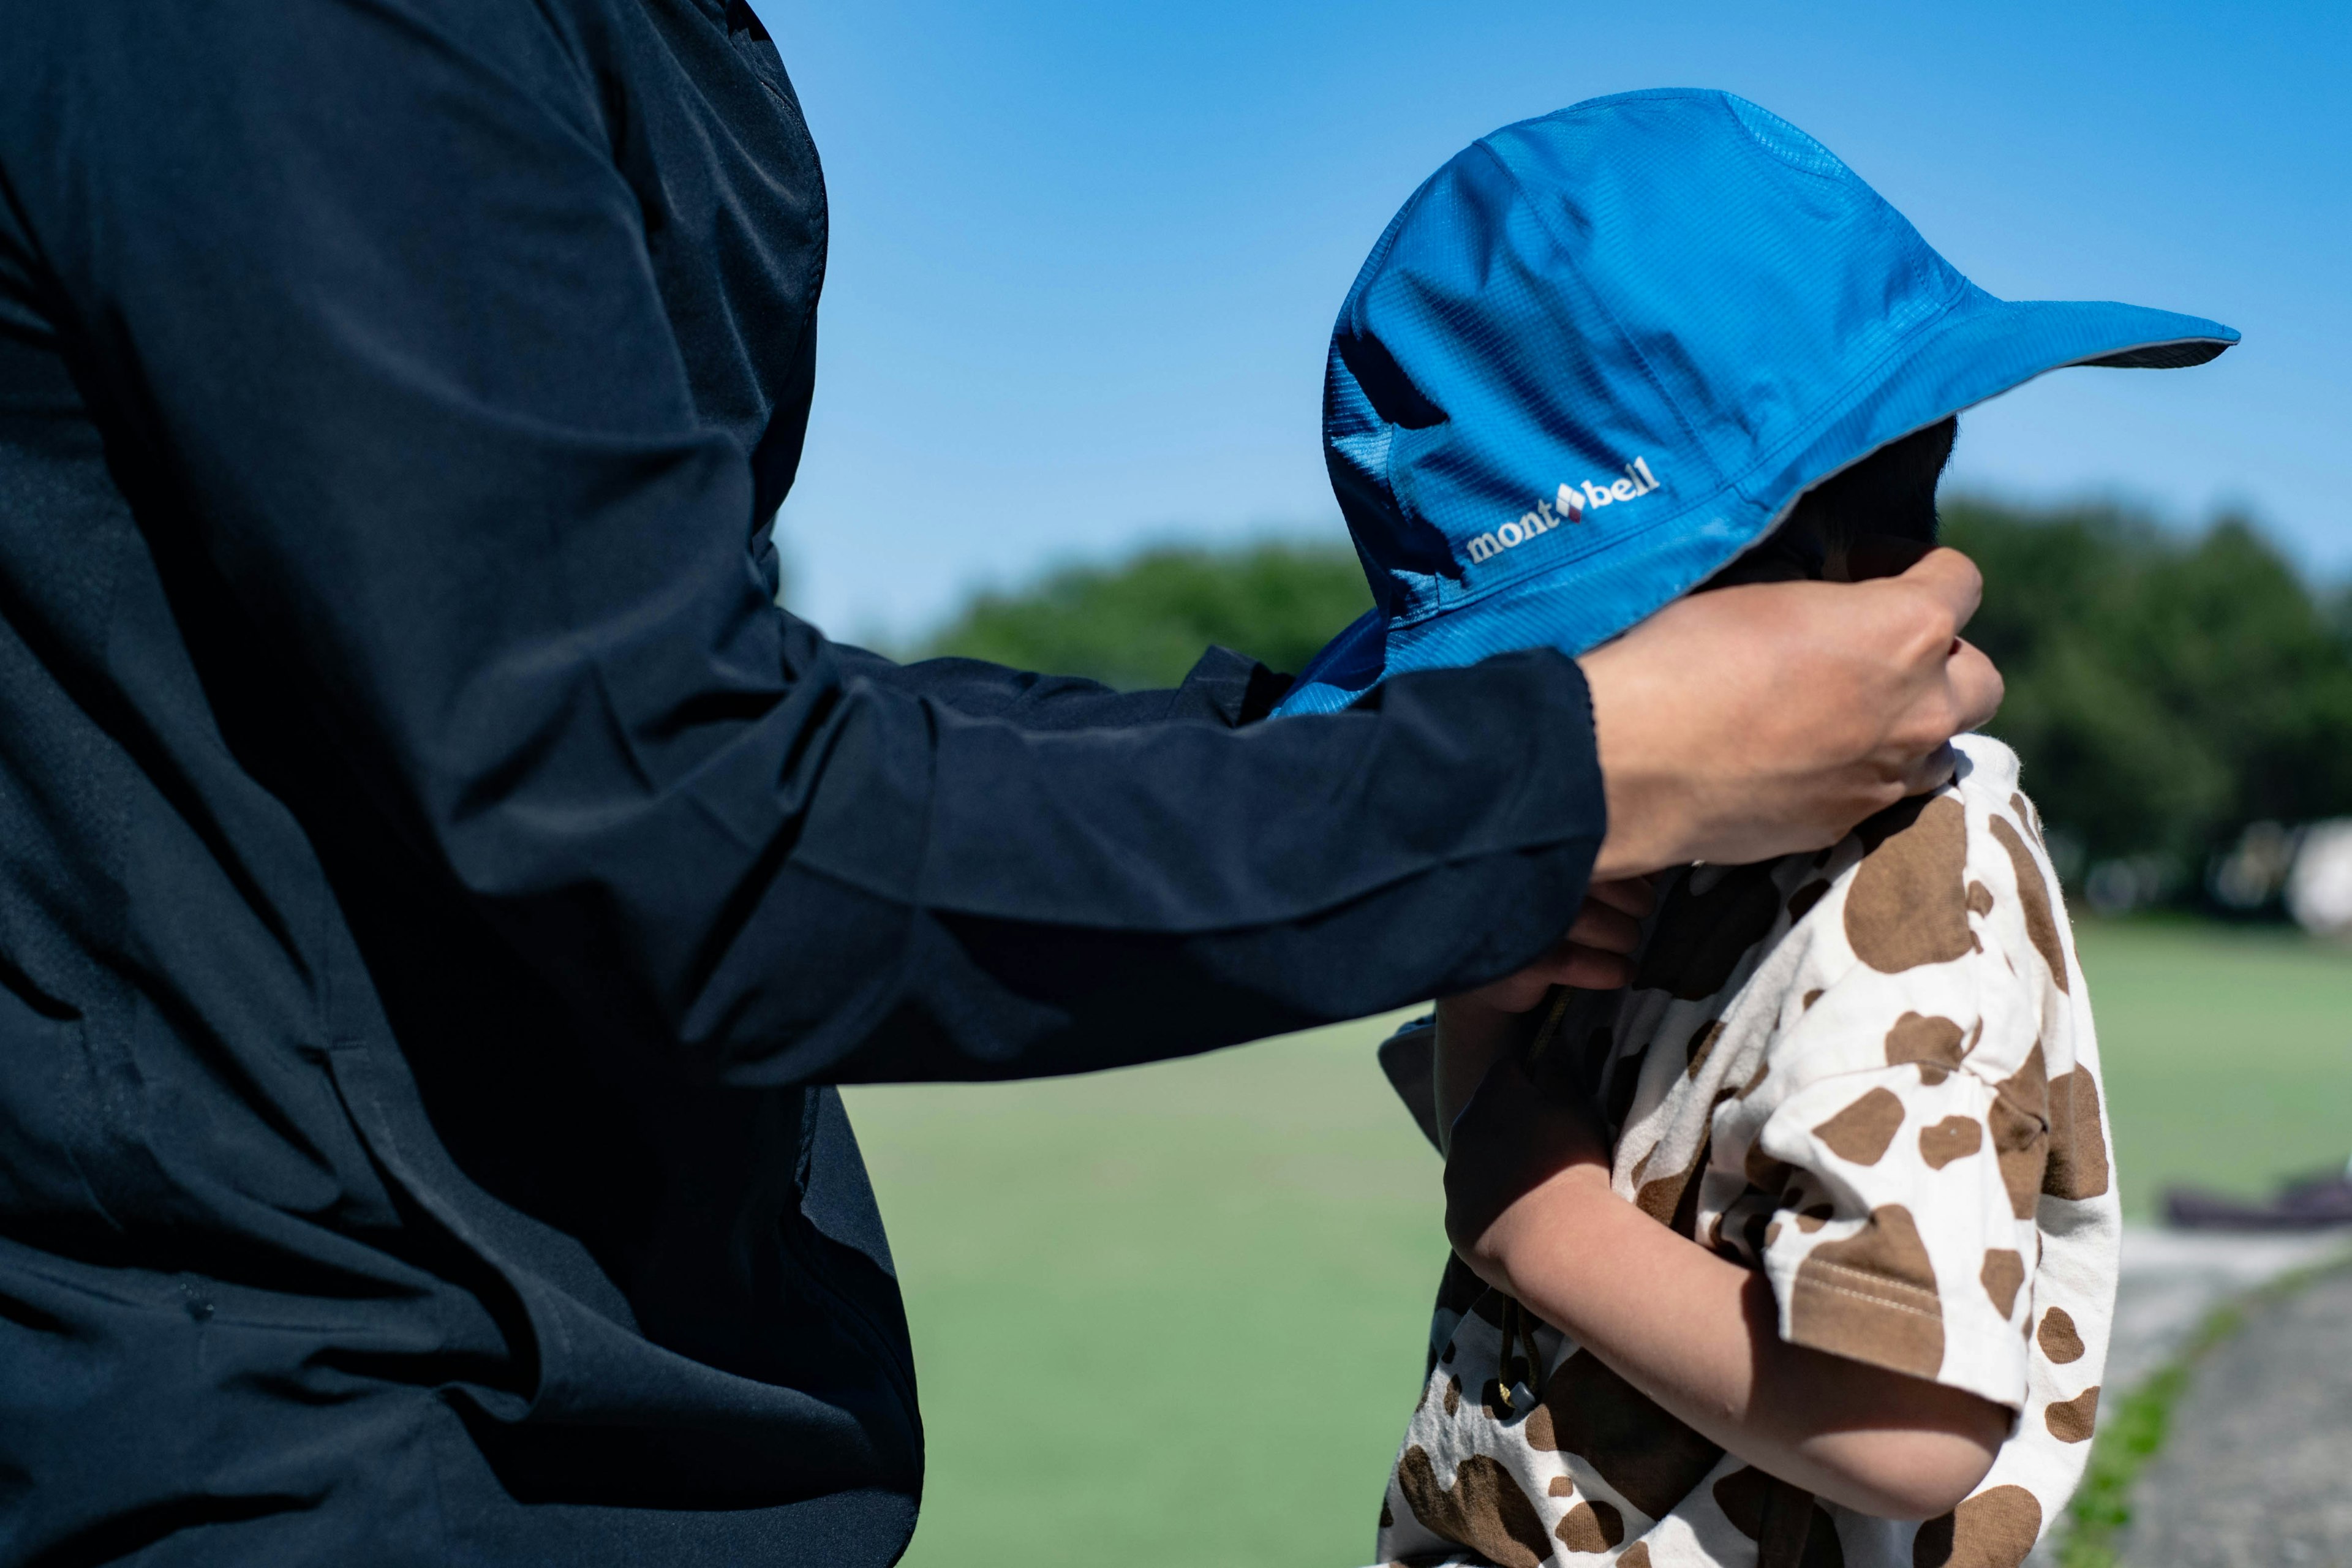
(2166, 690)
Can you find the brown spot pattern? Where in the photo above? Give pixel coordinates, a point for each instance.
(2078, 1147)
(1764, 1172)
(2021, 1132)
(1592, 1526)
(2002, 1275)
(2058, 1339)
(1813, 1219)
(1811, 997)
(1453, 1395)
(1860, 1132)
(2071, 1421)
(1634, 1556)
(1925, 1039)
(2040, 921)
(1907, 905)
(1979, 899)
(1953, 1138)
(1994, 1528)
(1872, 1296)
(1702, 1046)
(1647, 1457)
(1484, 1509)
(2028, 816)
(1561, 1485)
(1662, 1199)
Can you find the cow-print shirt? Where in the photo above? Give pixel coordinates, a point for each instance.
(1871, 1073)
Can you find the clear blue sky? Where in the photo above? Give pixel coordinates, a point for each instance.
(1086, 255)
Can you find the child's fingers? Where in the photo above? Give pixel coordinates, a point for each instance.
(1585, 966)
(1600, 926)
(1592, 969)
(1590, 957)
(1631, 895)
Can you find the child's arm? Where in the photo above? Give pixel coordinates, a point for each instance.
(1528, 1207)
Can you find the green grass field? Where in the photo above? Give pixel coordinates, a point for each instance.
(1174, 1315)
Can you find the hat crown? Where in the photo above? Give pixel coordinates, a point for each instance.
(1676, 275)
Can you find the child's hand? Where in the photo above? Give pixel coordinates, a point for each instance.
(1513, 1149)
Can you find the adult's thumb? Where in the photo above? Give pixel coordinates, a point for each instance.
(1950, 579)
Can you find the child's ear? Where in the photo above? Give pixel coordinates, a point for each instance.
(1881, 556)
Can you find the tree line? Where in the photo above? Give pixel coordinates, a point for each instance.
(2167, 691)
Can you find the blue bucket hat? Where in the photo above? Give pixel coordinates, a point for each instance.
(1599, 354)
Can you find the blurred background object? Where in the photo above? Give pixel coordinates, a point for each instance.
(2319, 885)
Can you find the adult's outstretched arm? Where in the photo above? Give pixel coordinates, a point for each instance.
(365, 294)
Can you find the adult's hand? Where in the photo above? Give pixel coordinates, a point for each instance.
(1757, 720)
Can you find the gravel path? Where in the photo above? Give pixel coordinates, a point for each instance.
(2171, 1281)
(2254, 1471)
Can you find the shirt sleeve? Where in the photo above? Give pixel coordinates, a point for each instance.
(364, 299)
(1885, 1162)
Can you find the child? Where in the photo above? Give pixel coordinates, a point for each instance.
(1809, 1232)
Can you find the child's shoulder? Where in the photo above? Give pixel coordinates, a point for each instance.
(1947, 877)
(1933, 920)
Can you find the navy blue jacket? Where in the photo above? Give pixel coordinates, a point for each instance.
(439, 887)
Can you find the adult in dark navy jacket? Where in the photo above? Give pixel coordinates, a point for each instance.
(437, 884)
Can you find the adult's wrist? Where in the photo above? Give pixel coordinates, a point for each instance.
(1645, 795)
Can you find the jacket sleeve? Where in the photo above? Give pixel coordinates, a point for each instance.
(366, 286)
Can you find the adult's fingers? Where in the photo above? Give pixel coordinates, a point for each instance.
(1951, 579)
(1976, 684)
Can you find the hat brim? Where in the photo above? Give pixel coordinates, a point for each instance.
(1977, 350)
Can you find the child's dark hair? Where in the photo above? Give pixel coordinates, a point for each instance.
(1892, 490)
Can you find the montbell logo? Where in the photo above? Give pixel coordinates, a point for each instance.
(1573, 501)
